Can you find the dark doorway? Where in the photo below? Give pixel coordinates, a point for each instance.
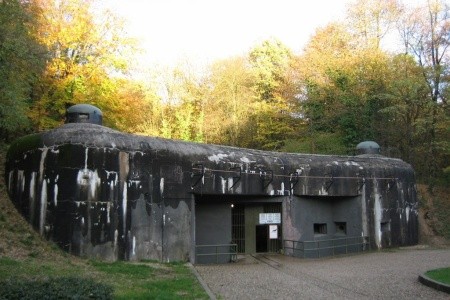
(261, 238)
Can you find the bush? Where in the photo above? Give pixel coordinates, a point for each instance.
(54, 288)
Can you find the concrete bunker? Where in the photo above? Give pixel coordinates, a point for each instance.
(100, 193)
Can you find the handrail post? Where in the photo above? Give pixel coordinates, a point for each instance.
(318, 249)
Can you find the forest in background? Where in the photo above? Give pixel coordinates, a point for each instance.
(343, 88)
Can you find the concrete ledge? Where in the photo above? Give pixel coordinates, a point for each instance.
(434, 284)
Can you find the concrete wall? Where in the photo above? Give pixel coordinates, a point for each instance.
(303, 214)
(103, 202)
(100, 193)
(212, 227)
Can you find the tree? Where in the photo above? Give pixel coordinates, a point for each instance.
(21, 63)
(229, 103)
(405, 115)
(328, 53)
(183, 104)
(132, 107)
(85, 49)
(274, 121)
(342, 88)
(371, 20)
(425, 32)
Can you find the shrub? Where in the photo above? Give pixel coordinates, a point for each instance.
(54, 288)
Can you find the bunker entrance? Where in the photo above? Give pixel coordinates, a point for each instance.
(262, 238)
(256, 227)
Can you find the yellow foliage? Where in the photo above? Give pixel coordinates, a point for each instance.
(86, 49)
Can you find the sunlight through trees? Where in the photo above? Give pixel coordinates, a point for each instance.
(342, 89)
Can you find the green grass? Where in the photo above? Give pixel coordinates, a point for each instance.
(150, 280)
(124, 270)
(142, 280)
(441, 275)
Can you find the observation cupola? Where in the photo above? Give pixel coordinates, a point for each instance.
(368, 147)
(84, 113)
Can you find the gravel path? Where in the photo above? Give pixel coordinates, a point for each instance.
(376, 275)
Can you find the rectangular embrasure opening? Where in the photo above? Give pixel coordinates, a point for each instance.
(341, 228)
(385, 226)
(320, 228)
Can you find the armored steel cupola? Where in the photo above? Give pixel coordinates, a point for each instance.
(368, 147)
(84, 113)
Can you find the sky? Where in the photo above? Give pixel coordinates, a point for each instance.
(202, 31)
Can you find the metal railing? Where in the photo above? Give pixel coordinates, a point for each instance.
(220, 253)
(326, 247)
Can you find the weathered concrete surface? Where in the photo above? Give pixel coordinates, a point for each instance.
(104, 194)
(378, 275)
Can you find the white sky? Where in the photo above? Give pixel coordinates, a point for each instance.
(201, 31)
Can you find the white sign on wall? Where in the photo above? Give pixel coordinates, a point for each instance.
(270, 218)
(273, 232)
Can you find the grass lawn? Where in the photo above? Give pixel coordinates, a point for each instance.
(441, 275)
(142, 280)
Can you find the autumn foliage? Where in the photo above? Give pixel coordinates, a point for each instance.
(342, 89)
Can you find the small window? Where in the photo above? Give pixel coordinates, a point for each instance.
(341, 228)
(320, 228)
(385, 226)
(83, 116)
